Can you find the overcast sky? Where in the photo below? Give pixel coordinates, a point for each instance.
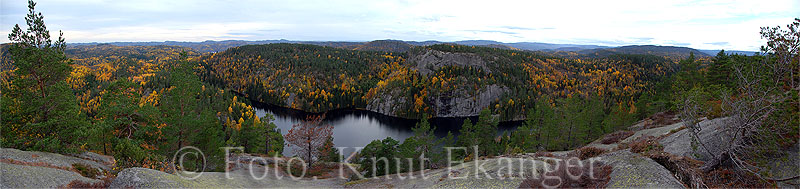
(702, 24)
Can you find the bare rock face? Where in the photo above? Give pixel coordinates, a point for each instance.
(459, 104)
(454, 103)
(23, 176)
(56, 160)
(631, 170)
(30, 169)
(680, 143)
(259, 178)
(430, 60)
(103, 159)
(387, 103)
(445, 104)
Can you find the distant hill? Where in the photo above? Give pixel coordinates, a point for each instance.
(378, 45)
(666, 51)
(203, 47)
(714, 52)
(568, 50)
(531, 46)
(384, 45)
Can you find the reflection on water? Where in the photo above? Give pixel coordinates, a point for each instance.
(357, 128)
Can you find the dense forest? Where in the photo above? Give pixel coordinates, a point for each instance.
(138, 103)
(318, 79)
(141, 103)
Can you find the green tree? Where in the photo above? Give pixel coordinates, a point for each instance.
(687, 78)
(123, 126)
(719, 70)
(476, 134)
(594, 115)
(257, 136)
(274, 140)
(575, 123)
(422, 144)
(188, 119)
(39, 110)
(252, 137)
(377, 158)
(425, 139)
(548, 124)
(447, 141)
(619, 118)
(467, 137)
(526, 137)
(329, 152)
(409, 156)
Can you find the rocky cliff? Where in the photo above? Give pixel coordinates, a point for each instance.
(462, 104)
(427, 61)
(456, 102)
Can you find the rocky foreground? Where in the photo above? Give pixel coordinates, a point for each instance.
(27, 169)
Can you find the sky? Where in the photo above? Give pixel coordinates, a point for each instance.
(700, 24)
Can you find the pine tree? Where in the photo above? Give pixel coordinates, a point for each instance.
(408, 150)
(273, 141)
(39, 110)
(329, 152)
(423, 135)
(467, 132)
(574, 121)
(123, 124)
(448, 141)
(486, 129)
(548, 122)
(594, 115)
(180, 106)
(719, 70)
(689, 75)
(381, 153)
(526, 137)
(189, 120)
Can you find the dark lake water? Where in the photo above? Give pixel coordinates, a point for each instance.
(357, 128)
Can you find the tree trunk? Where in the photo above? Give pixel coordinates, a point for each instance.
(266, 144)
(309, 150)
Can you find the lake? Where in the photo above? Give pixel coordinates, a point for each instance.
(357, 128)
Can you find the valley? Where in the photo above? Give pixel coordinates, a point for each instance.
(394, 113)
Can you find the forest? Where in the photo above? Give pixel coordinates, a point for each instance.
(142, 103)
(319, 79)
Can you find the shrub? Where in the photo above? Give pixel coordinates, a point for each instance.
(543, 154)
(589, 152)
(616, 137)
(595, 175)
(663, 118)
(644, 145)
(295, 168)
(673, 131)
(85, 170)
